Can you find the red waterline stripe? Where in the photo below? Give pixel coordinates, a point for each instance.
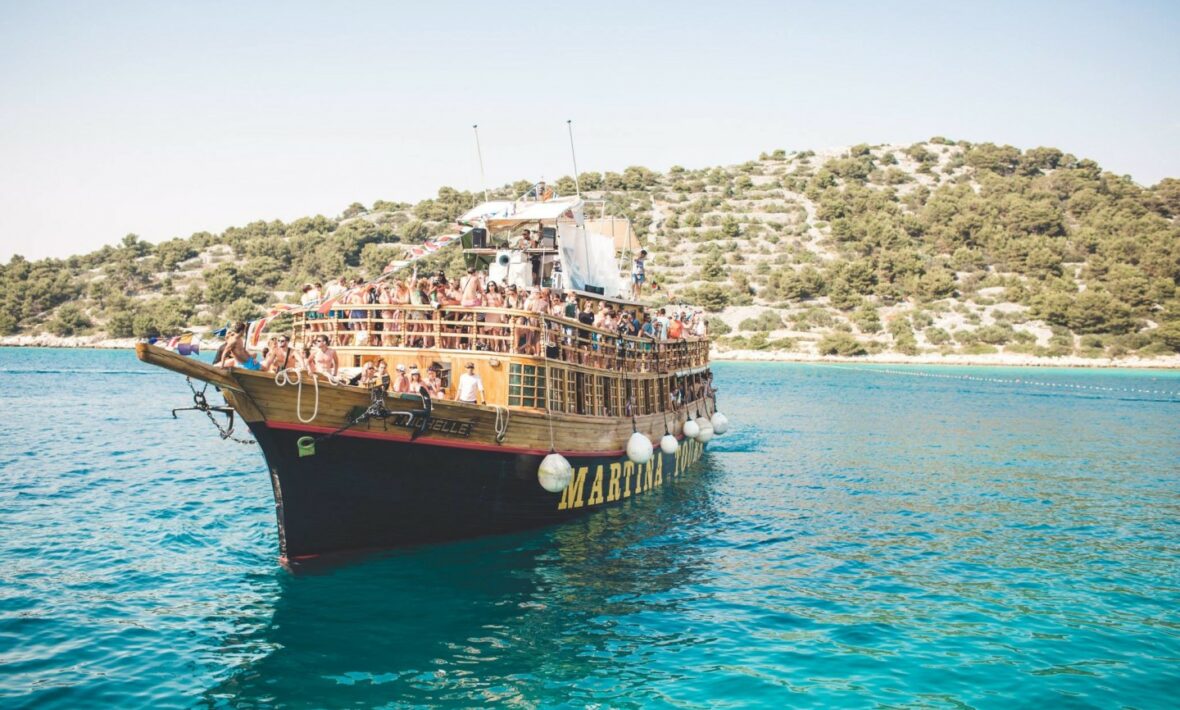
(435, 442)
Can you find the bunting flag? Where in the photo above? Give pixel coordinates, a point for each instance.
(254, 331)
(255, 328)
(185, 343)
(326, 305)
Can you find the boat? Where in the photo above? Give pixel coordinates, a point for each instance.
(575, 419)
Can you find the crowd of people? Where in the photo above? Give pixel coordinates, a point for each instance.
(352, 313)
(352, 319)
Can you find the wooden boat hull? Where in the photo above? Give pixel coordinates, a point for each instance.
(463, 471)
(360, 492)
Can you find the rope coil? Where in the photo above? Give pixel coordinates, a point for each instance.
(502, 416)
(292, 376)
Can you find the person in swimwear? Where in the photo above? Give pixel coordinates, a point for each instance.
(280, 357)
(235, 353)
(323, 358)
(472, 290)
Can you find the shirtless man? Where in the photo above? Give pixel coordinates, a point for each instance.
(323, 358)
(472, 290)
(280, 357)
(235, 353)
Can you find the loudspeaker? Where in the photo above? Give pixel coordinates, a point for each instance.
(479, 238)
(600, 290)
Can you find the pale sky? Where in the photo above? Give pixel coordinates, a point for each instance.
(166, 118)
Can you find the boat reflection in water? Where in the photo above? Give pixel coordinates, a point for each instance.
(479, 621)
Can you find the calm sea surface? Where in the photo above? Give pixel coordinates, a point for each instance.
(864, 535)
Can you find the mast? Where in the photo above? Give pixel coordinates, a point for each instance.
(482, 181)
(577, 183)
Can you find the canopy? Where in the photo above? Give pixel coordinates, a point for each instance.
(618, 228)
(487, 209)
(524, 212)
(588, 261)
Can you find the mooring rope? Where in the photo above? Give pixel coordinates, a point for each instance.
(502, 416)
(284, 377)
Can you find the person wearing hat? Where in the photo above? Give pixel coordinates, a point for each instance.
(415, 380)
(470, 386)
(401, 383)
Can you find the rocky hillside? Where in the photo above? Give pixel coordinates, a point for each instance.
(936, 248)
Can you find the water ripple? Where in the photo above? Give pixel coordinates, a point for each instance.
(858, 539)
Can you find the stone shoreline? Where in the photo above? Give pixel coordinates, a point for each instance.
(993, 360)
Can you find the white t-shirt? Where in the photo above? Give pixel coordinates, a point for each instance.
(469, 384)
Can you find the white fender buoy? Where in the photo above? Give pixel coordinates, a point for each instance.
(555, 473)
(668, 444)
(720, 423)
(691, 429)
(639, 448)
(706, 430)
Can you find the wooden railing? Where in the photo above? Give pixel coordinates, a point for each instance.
(497, 330)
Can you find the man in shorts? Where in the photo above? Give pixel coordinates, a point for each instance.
(638, 274)
(235, 353)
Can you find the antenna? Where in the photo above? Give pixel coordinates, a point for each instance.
(577, 183)
(483, 182)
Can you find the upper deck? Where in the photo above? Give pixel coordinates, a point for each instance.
(372, 328)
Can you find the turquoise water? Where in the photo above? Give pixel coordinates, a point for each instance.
(861, 537)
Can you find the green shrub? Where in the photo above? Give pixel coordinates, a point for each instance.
(978, 349)
(717, 327)
(867, 319)
(994, 334)
(765, 321)
(69, 320)
(936, 336)
(840, 344)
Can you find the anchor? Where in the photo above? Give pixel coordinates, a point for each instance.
(201, 404)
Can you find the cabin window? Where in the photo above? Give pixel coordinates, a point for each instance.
(571, 393)
(600, 401)
(557, 388)
(526, 385)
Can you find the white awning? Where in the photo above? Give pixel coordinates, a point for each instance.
(487, 209)
(524, 212)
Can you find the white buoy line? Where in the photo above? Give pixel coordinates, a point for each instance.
(1010, 381)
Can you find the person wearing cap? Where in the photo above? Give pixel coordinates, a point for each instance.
(471, 386)
(401, 383)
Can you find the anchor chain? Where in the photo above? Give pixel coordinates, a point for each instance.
(201, 404)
